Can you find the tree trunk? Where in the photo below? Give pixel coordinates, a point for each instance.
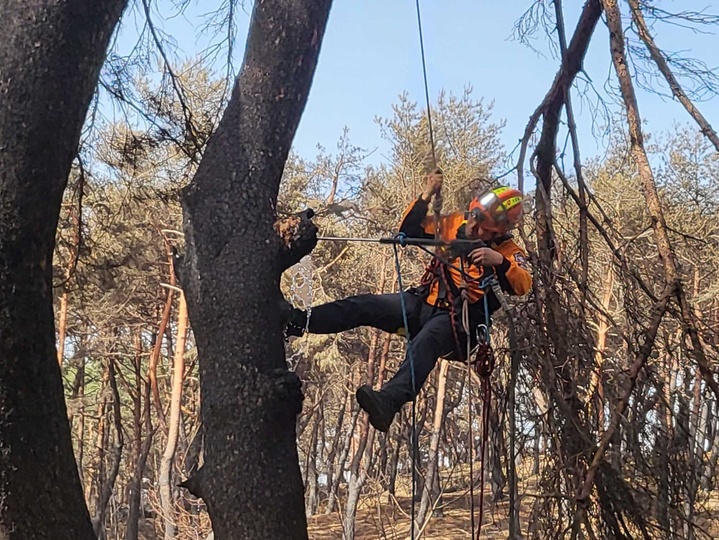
(663, 448)
(311, 469)
(251, 480)
(76, 217)
(168, 456)
(431, 491)
(596, 380)
(156, 349)
(340, 467)
(358, 476)
(50, 56)
(360, 465)
(394, 462)
(334, 448)
(649, 188)
(108, 483)
(135, 511)
(496, 447)
(95, 485)
(80, 437)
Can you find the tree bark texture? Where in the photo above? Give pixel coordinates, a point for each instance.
(251, 480)
(50, 56)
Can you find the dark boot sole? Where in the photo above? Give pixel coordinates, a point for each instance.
(376, 414)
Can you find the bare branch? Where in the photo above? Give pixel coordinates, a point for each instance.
(666, 71)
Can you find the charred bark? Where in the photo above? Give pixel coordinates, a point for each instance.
(50, 56)
(250, 480)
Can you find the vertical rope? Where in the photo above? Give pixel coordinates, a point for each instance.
(426, 85)
(410, 358)
(465, 324)
(484, 367)
(437, 204)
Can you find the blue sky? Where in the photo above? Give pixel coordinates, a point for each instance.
(371, 54)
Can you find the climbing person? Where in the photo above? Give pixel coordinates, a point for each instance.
(434, 307)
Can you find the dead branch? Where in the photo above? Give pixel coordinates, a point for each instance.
(650, 335)
(564, 78)
(676, 88)
(571, 123)
(176, 85)
(646, 176)
(298, 235)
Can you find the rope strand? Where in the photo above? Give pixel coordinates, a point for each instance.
(410, 358)
(426, 85)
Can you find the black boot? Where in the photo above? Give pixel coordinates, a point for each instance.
(297, 323)
(380, 407)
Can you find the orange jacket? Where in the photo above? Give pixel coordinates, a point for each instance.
(513, 275)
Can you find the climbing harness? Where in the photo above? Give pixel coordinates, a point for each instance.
(483, 363)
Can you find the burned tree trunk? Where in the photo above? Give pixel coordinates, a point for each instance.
(251, 479)
(50, 57)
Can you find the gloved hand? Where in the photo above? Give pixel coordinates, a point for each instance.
(435, 179)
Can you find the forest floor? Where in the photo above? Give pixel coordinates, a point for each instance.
(386, 517)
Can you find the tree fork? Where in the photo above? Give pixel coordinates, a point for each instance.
(230, 273)
(570, 67)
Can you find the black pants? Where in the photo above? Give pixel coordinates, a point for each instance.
(430, 330)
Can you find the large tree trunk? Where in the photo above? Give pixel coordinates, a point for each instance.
(251, 480)
(50, 56)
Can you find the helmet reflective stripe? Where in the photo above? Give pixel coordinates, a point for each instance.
(511, 203)
(487, 199)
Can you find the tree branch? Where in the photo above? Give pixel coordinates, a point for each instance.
(298, 235)
(666, 71)
(564, 78)
(650, 335)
